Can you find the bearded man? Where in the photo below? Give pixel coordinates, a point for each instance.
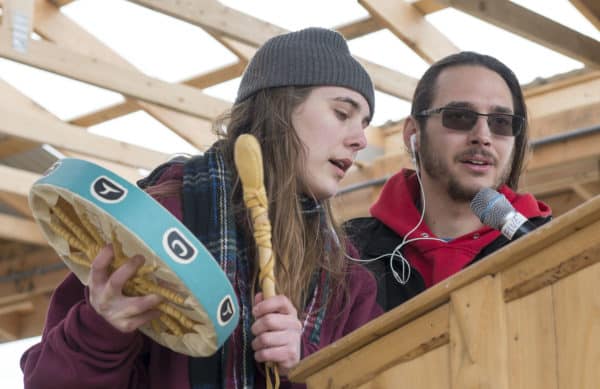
(467, 130)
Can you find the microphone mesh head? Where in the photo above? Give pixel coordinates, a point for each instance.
(491, 207)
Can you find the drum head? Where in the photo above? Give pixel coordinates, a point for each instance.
(81, 207)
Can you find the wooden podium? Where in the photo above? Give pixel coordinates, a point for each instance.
(527, 316)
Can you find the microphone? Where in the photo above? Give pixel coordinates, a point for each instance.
(494, 210)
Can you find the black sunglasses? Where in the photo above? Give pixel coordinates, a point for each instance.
(462, 119)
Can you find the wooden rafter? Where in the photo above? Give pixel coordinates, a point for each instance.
(16, 181)
(217, 18)
(17, 202)
(590, 9)
(24, 119)
(48, 56)
(221, 20)
(532, 26)
(51, 24)
(200, 81)
(22, 230)
(410, 26)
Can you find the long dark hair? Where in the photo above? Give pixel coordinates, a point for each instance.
(426, 88)
(300, 245)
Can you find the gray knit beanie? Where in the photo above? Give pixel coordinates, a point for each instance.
(313, 56)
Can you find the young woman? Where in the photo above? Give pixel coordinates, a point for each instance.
(308, 102)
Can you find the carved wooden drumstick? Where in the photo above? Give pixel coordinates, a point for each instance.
(249, 164)
(248, 160)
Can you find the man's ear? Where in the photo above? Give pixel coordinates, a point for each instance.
(411, 135)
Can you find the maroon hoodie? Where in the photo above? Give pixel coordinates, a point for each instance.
(437, 260)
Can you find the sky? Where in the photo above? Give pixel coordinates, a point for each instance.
(178, 50)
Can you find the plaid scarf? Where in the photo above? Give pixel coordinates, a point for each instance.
(207, 212)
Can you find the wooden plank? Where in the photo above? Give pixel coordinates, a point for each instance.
(590, 9)
(22, 230)
(17, 202)
(10, 327)
(553, 263)
(213, 16)
(220, 20)
(479, 336)
(557, 177)
(129, 173)
(390, 81)
(201, 81)
(26, 124)
(572, 149)
(68, 63)
(55, 26)
(577, 299)
(416, 338)
(20, 307)
(582, 192)
(558, 229)
(565, 98)
(430, 370)
(32, 324)
(10, 146)
(410, 26)
(585, 116)
(16, 181)
(532, 342)
(532, 26)
(358, 28)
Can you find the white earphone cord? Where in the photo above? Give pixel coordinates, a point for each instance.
(397, 252)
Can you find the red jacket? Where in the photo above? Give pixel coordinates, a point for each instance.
(395, 214)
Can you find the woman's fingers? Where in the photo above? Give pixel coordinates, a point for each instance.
(277, 332)
(124, 273)
(100, 265)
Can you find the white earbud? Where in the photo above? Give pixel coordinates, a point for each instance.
(413, 148)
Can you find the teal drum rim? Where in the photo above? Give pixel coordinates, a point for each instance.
(159, 231)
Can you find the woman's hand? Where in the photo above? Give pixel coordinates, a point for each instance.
(106, 293)
(277, 332)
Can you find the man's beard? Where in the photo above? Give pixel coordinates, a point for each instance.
(438, 170)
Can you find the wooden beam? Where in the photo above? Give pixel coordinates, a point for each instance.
(10, 146)
(558, 177)
(564, 99)
(17, 202)
(532, 26)
(20, 307)
(19, 229)
(131, 174)
(359, 28)
(51, 57)
(215, 17)
(390, 81)
(25, 124)
(410, 26)
(582, 191)
(590, 9)
(9, 328)
(255, 32)
(53, 25)
(16, 181)
(200, 81)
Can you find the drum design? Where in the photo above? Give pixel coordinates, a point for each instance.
(81, 207)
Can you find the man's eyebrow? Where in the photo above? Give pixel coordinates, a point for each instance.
(466, 104)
